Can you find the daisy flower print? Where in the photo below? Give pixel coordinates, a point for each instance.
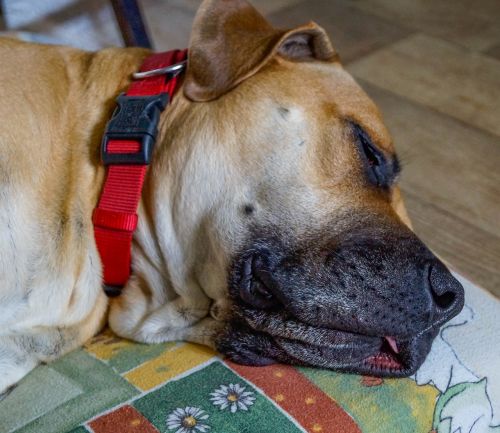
(188, 420)
(233, 397)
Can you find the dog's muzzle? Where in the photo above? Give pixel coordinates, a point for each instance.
(366, 303)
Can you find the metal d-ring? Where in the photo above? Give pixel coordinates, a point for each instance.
(173, 69)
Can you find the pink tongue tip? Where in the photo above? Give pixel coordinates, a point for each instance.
(392, 343)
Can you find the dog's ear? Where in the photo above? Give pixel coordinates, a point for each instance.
(231, 41)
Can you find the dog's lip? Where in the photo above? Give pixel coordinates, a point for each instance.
(389, 356)
(379, 355)
(387, 363)
(380, 361)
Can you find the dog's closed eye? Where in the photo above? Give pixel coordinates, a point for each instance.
(380, 169)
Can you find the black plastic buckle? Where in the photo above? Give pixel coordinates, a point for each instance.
(135, 118)
(112, 291)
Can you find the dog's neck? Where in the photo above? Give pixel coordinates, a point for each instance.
(170, 225)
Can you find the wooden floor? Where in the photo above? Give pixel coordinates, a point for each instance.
(433, 67)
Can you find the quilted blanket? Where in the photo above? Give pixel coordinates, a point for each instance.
(115, 386)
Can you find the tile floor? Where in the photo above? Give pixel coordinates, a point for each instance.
(433, 68)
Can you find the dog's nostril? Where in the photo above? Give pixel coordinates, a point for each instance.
(443, 286)
(259, 286)
(256, 282)
(445, 300)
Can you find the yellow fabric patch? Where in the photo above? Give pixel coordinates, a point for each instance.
(168, 365)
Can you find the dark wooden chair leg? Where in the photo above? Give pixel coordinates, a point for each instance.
(3, 24)
(129, 17)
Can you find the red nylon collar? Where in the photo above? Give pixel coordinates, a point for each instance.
(126, 149)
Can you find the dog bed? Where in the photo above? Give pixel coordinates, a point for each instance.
(113, 385)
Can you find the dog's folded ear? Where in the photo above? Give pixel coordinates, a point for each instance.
(231, 41)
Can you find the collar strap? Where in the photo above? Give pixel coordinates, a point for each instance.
(126, 150)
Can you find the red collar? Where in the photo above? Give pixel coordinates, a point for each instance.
(126, 150)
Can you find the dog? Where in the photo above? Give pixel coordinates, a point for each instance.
(270, 226)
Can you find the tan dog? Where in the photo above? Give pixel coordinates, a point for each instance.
(272, 188)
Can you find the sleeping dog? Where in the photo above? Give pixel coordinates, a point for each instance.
(270, 226)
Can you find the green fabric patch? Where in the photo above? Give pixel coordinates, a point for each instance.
(100, 387)
(396, 405)
(42, 391)
(194, 391)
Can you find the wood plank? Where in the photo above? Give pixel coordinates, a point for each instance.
(433, 72)
(451, 184)
(353, 32)
(169, 23)
(494, 51)
(473, 26)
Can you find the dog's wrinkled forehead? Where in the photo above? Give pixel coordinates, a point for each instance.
(299, 128)
(321, 97)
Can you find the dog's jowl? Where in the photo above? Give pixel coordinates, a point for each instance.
(270, 224)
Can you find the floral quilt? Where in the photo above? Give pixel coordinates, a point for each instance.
(115, 386)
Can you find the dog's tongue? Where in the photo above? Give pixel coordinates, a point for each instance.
(392, 342)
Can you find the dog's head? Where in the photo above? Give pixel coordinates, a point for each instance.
(289, 186)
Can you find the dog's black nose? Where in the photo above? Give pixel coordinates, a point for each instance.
(447, 293)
